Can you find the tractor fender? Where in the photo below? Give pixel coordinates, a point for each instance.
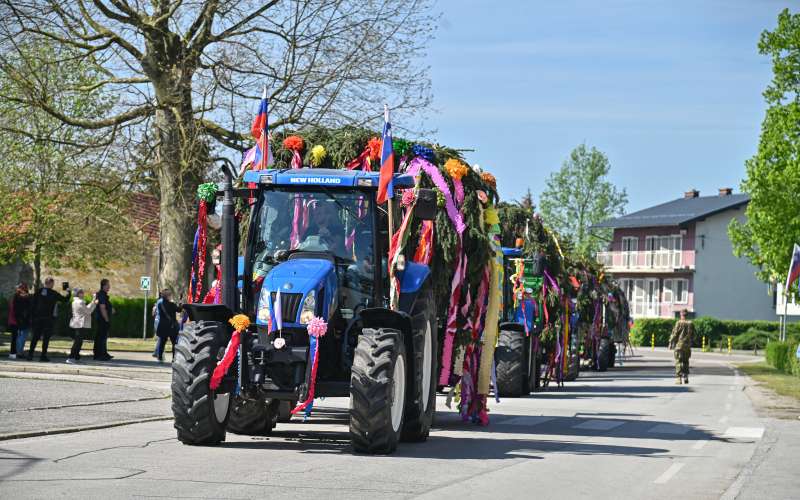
(512, 326)
(208, 312)
(412, 280)
(381, 317)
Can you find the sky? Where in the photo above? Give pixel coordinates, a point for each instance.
(670, 91)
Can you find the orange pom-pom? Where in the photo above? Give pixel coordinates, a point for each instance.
(455, 169)
(294, 143)
(489, 179)
(375, 145)
(240, 322)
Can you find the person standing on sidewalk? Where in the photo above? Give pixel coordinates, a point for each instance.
(43, 315)
(167, 324)
(104, 312)
(19, 319)
(81, 323)
(681, 341)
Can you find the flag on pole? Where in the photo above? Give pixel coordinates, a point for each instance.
(276, 309)
(794, 267)
(386, 182)
(260, 133)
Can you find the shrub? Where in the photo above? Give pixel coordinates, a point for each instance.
(778, 355)
(644, 328)
(754, 339)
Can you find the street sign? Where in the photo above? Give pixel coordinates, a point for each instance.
(144, 283)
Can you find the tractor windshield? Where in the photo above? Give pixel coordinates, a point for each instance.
(324, 220)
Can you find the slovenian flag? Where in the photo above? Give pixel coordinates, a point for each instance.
(385, 184)
(260, 133)
(794, 267)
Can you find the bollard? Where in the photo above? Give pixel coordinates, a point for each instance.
(703, 347)
(729, 345)
(653, 341)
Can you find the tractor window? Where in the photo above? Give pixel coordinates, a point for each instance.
(328, 220)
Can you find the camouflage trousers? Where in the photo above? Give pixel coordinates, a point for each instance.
(682, 362)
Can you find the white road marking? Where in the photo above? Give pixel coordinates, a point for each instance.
(526, 421)
(723, 419)
(699, 444)
(669, 473)
(730, 395)
(598, 425)
(732, 388)
(728, 406)
(744, 432)
(669, 429)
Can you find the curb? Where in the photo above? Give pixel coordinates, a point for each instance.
(69, 430)
(98, 371)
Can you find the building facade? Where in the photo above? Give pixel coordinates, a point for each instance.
(677, 255)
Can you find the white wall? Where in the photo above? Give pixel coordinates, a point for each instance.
(725, 286)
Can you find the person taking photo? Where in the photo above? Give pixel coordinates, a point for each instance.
(81, 323)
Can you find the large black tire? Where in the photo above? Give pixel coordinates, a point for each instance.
(252, 417)
(421, 398)
(573, 367)
(612, 354)
(284, 411)
(200, 414)
(511, 357)
(378, 388)
(537, 370)
(603, 351)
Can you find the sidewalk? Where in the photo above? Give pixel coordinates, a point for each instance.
(129, 365)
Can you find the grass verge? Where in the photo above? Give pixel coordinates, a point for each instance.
(65, 343)
(782, 383)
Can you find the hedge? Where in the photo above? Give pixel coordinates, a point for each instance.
(715, 330)
(782, 355)
(126, 322)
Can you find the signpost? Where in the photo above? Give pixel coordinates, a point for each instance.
(144, 285)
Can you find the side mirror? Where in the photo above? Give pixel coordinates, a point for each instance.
(425, 208)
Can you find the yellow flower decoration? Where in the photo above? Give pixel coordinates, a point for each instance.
(240, 322)
(456, 169)
(491, 216)
(318, 155)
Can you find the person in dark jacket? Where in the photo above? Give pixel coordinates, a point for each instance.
(103, 315)
(43, 316)
(167, 324)
(19, 319)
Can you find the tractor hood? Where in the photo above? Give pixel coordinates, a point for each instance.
(295, 278)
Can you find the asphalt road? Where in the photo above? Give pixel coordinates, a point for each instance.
(627, 433)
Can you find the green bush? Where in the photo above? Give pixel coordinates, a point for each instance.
(644, 328)
(778, 355)
(754, 339)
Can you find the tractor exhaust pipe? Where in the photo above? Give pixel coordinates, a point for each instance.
(229, 256)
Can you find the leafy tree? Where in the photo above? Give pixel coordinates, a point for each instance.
(188, 75)
(60, 206)
(773, 174)
(579, 195)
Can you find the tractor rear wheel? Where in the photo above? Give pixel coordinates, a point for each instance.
(603, 352)
(612, 355)
(512, 364)
(378, 383)
(573, 367)
(252, 417)
(421, 400)
(200, 413)
(285, 411)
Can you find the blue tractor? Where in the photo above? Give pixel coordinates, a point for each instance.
(316, 250)
(517, 357)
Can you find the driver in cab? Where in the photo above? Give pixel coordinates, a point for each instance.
(327, 228)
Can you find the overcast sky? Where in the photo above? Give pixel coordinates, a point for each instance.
(670, 91)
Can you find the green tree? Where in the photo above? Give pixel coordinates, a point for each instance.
(60, 206)
(579, 195)
(773, 174)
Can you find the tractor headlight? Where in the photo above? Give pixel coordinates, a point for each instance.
(309, 308)
(263, 306)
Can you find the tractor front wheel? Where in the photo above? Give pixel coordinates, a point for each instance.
(421, 402)
(378, 391)
(603, 352)
(512, 359)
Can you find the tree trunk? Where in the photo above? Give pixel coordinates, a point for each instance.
(182, 159)
(37, 267)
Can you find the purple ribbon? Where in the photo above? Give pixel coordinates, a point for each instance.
(418, 164)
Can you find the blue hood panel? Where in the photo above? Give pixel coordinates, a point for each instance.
(301, 276)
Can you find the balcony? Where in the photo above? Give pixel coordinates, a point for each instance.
(659, 261)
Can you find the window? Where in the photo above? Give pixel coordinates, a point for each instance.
(630, 245)
(668, 291)
(681, 291)
(677, 250)
(638, 298)
(626, 284)
(650, 247)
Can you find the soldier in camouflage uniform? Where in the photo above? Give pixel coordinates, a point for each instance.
(681, 341)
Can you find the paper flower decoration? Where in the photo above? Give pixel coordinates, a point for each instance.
(207, 192)
(422, 152)
(375, 145)
(482, 197)
(408, 198)
(400, 147)
(455, 169)
(317, 327)
(440, 199)
(489, 179)
(318, 155)
(294, 143)
(240, 322)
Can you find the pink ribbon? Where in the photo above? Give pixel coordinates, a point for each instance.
(452, 315)
(418, 164)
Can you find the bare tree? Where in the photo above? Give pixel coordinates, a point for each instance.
(183, 71)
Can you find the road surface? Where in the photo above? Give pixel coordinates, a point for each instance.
(627, 433)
